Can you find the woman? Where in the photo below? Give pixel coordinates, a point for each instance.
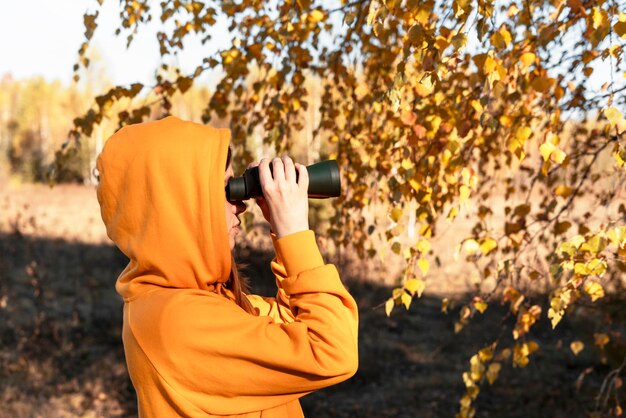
(196, 344)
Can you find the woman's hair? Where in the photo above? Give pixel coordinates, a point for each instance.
(237, 283)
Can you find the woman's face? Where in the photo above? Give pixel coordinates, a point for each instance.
(233, 209)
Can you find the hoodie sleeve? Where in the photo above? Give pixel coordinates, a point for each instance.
(227, 361)
(276, 308)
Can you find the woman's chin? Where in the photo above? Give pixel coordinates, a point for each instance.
(232, 237)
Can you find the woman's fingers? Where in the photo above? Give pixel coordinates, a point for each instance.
(287, 200)
(265, 175)
(303, 177)
(278, 171)
(283, 170)
(290, 170)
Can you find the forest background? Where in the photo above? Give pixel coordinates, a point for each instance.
(482, 229)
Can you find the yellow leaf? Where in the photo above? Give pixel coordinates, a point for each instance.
(506, 35)
(295, 105)
(563, 191)
(594, 290)
(542, 84)
(407, 164)
(527, 59)
(513, 10)
(468, 383)
(458, 41)
(423, 246)
(479, 107)
(316, 16)
(444, 305)
(506, 121)
(423, 265)
(425, 87)
(521, 353)
(520, 137)
(373, 12)
(576, 347)
(619, 161)
(490, 65)
(414, 184)
(361, 91)
(555, 316)
(396, 214)
(493, 371)
(617, 235)
(505, 354)
(471, 246)
(458, 326)
(445, 158)
(464, 193)
(596, 267)
(230, 55)
(488, 245)
(465, 313)
(389, 306)
(581, 269)
(441, 43)
(558, 156)
(452, 214)
(597, 17)
(553, 138)
(595, 244)
(480, 306)
(477, 368)
(600, 340)
(497, 40)
(486, 354)
(406, 300)
(426, 231)
(577, 241)
(613, 115)
(414, 286)
(465, 175)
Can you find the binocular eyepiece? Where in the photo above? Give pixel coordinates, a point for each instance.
(324, 182)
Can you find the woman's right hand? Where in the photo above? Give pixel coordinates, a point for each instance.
(287, 199)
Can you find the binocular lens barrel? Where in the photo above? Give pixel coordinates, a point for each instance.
(324, 182)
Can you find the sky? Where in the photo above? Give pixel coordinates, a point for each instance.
(42, 37)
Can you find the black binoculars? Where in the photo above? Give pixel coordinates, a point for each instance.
(324, 182)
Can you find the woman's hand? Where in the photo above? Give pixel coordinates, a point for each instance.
(286, 200)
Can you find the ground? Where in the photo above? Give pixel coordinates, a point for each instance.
(61, 353)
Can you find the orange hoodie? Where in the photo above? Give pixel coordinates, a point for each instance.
(191, 351)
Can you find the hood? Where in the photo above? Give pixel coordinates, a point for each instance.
(161, 196)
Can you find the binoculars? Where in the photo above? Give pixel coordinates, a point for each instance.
(324, 182)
